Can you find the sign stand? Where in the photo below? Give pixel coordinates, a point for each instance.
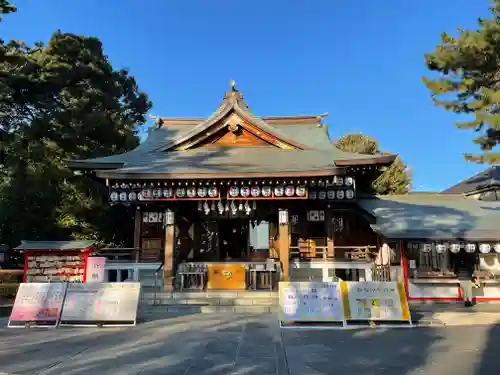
(37, 305)
(101, 305)
(377, 305)
(311, 305)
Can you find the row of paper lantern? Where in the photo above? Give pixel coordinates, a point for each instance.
(181, 192)
(484, 248)
(267, 191)
(332, 194)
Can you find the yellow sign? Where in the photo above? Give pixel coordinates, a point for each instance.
(376, 301)
(227, 276)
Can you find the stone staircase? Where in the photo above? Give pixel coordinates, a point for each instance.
(159, 302)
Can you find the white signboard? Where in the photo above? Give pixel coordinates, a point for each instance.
(101, 304)
(311, 302)
(95, 270)
(38, 303)
(377, 301)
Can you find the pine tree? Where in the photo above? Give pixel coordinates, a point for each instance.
(469, 81)
(395, 179)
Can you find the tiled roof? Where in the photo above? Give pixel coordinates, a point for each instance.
(434, 216)
(314, 150)
(55, 245)
(478, 182)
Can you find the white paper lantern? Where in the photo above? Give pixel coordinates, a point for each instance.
(340, 194)
(157, 193)
(114, 196)
(485, 248)
(132, 196)
(349, 181)
(300, 191)
(266, 191)
(213, 192)
(349, 194)
(245, 191)
(289, 191)
(255, 191)
(279, 191)
(234, 191)
(191, 192)
(455, 248)
(470, 247)
(330, 194)
(123, 196)
(497, 248)
(146, 193)
(440, 248)
(180, 192)
(167, 193)
(322, 194)
(202, 192)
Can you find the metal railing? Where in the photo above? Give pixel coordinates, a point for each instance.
(120, 254)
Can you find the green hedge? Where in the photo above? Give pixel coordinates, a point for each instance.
(9, 283)
(8, 290)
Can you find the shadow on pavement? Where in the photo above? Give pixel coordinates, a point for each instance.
(387, 351)
(489, 362)
(191, 345)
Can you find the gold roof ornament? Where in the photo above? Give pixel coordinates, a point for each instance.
(233, 85)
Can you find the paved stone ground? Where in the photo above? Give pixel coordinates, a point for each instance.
(237, 344)
(245, 344)
(469, 350)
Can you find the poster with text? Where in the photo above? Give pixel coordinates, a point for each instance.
(95, 270)
(98, 303)
(377, 300)
(38, 302)
(311, 302)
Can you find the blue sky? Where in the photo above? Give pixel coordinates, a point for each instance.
(360, 61)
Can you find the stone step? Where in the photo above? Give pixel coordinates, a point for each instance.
(212, 301)
(159, 310)
(151, 294)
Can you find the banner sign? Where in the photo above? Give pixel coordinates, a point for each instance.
(379, 300)
(101, 304)
(38, 304)
(311, 302)
(95, 270)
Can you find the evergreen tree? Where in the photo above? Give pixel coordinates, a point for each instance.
(468, 82)
(6, 7)
(395, 179)
(59, 101)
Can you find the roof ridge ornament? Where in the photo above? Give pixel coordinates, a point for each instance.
(235, 96)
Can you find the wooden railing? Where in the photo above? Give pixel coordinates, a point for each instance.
(367, 253)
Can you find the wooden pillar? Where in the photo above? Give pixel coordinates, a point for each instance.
(284, 242)
(329, 234)
(137, 228)
(168, 249)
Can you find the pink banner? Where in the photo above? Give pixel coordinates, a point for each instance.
(38, 302)
(95, 270)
